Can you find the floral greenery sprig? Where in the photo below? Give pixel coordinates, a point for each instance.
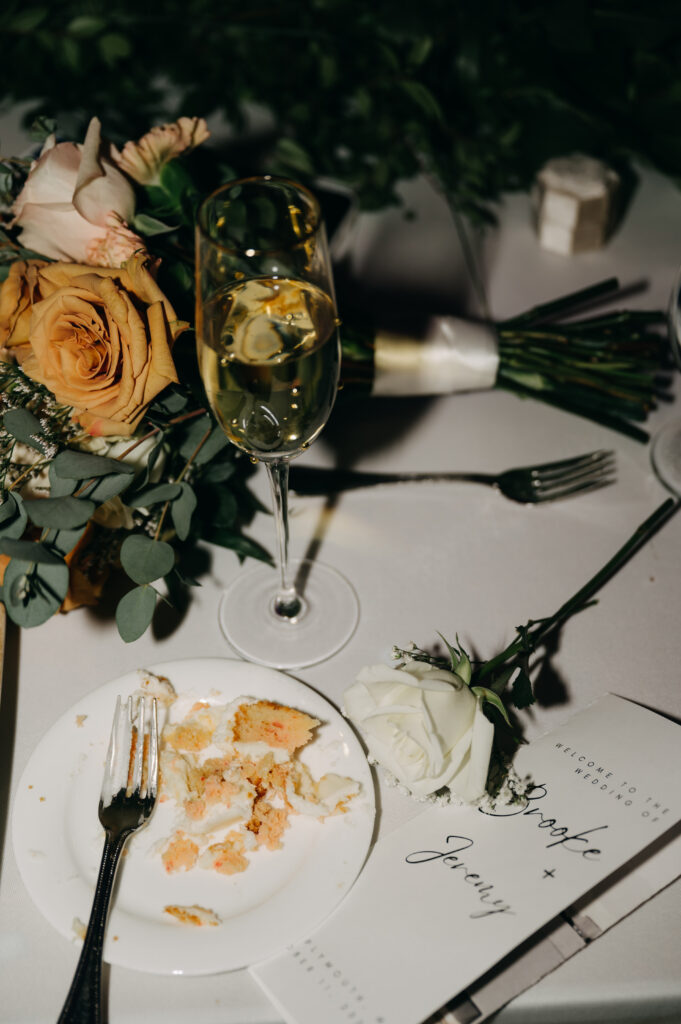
(441, 727)
(504, 681)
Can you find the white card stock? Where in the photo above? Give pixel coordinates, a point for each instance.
(445, 897)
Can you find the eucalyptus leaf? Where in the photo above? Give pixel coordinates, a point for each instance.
(60, 485)
(182, 510)
(63, 541)
(82, 465)
(245, 547)
(28, 551)
(25, 427)
(13, 517)
(151, 461)
(32, 594)
(9, 507)
(196, 431)
(145, 559)
(59, 513)
(152, 495)
(134, 612)
(105, 487)
(219, 472)
(171, 401)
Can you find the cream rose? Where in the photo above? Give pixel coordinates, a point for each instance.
(99, 338)
(64, 209)
(424, 726)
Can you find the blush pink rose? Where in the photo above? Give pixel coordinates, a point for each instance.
(65, 206)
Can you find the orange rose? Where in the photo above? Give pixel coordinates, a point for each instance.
(17, 295)
(99, 338)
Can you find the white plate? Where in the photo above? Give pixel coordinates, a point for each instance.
(278, 900)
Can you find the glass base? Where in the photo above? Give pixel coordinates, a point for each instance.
(665, 456)
(326, 623)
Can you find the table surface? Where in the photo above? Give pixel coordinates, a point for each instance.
(425, 558)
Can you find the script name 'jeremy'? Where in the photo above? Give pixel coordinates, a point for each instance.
(450, 858)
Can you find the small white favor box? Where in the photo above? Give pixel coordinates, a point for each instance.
(574, 203)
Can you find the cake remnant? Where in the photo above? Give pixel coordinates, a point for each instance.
(234, 773)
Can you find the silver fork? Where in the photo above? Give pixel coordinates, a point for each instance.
(127, 799)
(530, 485)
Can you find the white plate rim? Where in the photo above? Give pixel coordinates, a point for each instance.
(42, 798)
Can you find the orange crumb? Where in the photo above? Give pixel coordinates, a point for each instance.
(180, 854)
(188, 737)
(194, 915)
(227, 857)
(268, 824)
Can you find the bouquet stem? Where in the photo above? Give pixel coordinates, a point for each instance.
(536, 631)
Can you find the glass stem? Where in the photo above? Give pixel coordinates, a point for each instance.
(287, 603)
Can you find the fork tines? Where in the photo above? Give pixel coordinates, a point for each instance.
(132, 759)
(576, 475)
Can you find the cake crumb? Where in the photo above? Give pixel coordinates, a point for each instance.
(194, 915)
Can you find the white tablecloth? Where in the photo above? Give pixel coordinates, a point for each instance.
(424, 558)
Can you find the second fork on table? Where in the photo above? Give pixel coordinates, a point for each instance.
(530, 485)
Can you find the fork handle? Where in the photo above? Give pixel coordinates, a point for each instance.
(83, 1003)
(315, 480)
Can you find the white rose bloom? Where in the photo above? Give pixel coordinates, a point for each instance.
(424, 726)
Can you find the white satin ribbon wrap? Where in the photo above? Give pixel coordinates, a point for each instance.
(454, 355)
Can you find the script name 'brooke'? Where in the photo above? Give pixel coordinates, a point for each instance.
(574, 842)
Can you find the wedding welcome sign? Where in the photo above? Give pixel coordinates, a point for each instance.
(445, 897)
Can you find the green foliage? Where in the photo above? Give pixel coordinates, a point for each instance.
(478, 94)
(37, 533)
(33, 590)
(134, 612)
(145, 559)
(64, 513)
(489, 679)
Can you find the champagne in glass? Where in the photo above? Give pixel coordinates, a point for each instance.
(268, 351)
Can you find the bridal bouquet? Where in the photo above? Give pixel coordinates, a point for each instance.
(108, 454)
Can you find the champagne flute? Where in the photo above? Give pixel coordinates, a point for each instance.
(269, 356)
